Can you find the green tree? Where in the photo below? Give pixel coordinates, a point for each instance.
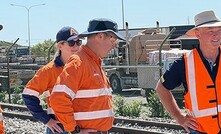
(41, 49)
(4, 43)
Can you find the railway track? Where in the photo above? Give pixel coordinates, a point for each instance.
(121, 125)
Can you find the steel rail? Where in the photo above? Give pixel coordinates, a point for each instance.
(148, 123)
(117, 121)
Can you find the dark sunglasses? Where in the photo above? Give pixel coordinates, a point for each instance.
(71, 43)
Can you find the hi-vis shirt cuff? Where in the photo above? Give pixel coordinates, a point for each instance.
(31, 92)
(1, 117)
(50, 111)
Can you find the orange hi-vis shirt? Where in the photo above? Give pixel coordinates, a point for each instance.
(203, 99)
(1, 122)
(42, 83)
(82, 95)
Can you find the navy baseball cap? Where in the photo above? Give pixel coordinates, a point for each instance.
(101, 25)
(66, 34)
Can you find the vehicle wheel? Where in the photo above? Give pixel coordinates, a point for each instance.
(115, 84)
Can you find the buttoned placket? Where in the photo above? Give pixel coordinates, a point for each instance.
(211, 63)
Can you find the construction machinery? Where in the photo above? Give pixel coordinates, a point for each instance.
(139, 61)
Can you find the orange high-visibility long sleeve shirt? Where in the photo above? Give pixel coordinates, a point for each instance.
(43, 82)
(82, 95)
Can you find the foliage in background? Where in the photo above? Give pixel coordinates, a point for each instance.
(119, 102)
(155, 106)
(3, 96)
(4, 43)
(43, 101)
(41, 49)
(17, 90)
(17, 96)
(124, 108)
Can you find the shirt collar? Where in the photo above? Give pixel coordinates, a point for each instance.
(204, 59)
(91, 54)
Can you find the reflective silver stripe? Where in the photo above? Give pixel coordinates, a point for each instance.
(50, 110)
(93, 93)
(219, 108)
(30, 92)
(83, 93)
(192, 84)
(192, 81)
(65, 89)
(1, 117)
(93, 115)
(206, 112)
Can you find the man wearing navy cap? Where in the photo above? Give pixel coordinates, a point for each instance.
(42, 83)
(82, 96)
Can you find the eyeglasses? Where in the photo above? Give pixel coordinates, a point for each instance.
(109, 35)
(116, 39)
(71, 43)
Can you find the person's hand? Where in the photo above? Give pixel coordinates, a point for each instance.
(188, 122)
(52, 124)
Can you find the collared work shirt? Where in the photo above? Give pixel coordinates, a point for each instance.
(176, 75)
(42, 83)
(82, 95)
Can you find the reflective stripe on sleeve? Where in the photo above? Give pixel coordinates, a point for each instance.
(1, 117)
(65, 89)
(96, 115)
(93, 93)
(30, 92)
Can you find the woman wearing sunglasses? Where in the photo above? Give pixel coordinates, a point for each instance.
(42, 83)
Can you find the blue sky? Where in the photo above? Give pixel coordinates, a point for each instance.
(46, 20)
